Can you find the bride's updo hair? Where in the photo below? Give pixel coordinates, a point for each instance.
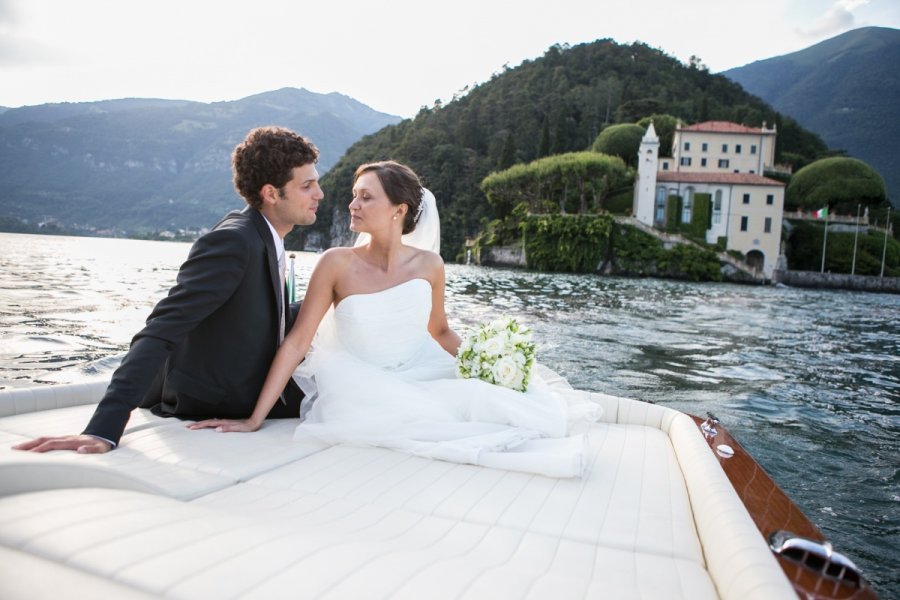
(401, 185)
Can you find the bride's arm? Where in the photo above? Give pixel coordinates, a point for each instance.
(437, 322)
(319, 296)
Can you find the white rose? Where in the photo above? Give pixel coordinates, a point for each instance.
(500, 324)
(520, 339)
(492, 346)
(519, 380)
(506, 372)
(519, 357)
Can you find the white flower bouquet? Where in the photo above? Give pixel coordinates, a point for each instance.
(500, 352)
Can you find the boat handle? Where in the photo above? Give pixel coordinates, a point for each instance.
(816, 556)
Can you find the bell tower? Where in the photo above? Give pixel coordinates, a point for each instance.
(645, 186)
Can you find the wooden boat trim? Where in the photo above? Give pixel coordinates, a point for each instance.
(772, 510)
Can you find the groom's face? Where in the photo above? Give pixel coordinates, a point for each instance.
(299, 199)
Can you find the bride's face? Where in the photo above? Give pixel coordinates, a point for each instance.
(370, 208)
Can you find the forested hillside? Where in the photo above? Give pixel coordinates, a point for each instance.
(556, 103)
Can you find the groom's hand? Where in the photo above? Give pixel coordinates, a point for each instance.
(225, 425)
(82, 444)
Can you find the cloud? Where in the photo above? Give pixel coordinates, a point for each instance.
(837, 19)
(7, 13)
(18, 47)
(22, 52)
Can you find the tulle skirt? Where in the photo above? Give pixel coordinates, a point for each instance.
(420, 406)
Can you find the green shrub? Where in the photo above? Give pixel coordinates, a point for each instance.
(838, 182)
(804, 251)
(673, 213)
(623, 140)
(576, 182)
(635, 252)
(621, 203)
(690, 262)
(566, 243)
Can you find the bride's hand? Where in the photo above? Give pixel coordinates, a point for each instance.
(226, 425)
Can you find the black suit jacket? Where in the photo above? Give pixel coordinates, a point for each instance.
(208, 345)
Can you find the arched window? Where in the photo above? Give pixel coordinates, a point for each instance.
(717, 208)
(687, 205)
(660, 205)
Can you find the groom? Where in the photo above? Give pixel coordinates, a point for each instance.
(208, 345)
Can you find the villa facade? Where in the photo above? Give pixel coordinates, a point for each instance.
(723, 164)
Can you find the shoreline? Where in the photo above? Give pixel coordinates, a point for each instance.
(838, 281)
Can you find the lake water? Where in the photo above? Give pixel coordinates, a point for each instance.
(808, 381)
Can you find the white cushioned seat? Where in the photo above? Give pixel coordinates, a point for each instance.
(69, 420)
(172, 549)
(198, 514)
(17, 401)
(635, 498)
(154, 451)
(40, 579)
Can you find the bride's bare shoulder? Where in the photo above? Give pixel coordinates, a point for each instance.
(432, 264)
(335, 259)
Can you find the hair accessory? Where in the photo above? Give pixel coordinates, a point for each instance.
(419, 211)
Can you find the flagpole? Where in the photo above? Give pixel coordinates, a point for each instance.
(824, 240)
(887, 226)
(855, 238)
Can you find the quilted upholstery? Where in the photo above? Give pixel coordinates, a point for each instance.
(183, 514)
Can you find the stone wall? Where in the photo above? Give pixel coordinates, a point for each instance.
(838, 281)
(503, 256)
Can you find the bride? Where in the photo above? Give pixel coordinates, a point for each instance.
(381, 369)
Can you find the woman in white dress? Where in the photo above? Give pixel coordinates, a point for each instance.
(381, 370)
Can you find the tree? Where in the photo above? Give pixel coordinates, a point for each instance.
(840, 183)
(638, 108)
(508, 155)
(544, 144)
(576, 182)
(622, 140)
(665, 128)
(696, 63)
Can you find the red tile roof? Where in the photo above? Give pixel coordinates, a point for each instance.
(721, 178)
(723, 127)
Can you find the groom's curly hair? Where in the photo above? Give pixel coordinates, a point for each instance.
(401, 184)
(269, 155)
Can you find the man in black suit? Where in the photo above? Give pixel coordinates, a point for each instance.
(208, 345)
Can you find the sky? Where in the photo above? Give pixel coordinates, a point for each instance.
(395, 56)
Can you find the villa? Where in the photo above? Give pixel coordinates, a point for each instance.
(716, 175)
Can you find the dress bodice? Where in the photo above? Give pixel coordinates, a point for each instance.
(385, 328)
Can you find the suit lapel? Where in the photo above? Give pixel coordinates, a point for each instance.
(262, 228)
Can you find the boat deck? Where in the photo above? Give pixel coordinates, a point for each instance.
(196, 514)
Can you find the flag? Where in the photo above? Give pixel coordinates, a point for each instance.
(821, 213)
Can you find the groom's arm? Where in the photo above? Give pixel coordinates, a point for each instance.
(213, 270)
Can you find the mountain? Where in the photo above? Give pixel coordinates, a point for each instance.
(846, 89)
(553, 104)
(144, 165)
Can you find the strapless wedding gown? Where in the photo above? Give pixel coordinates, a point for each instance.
(377, 377)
